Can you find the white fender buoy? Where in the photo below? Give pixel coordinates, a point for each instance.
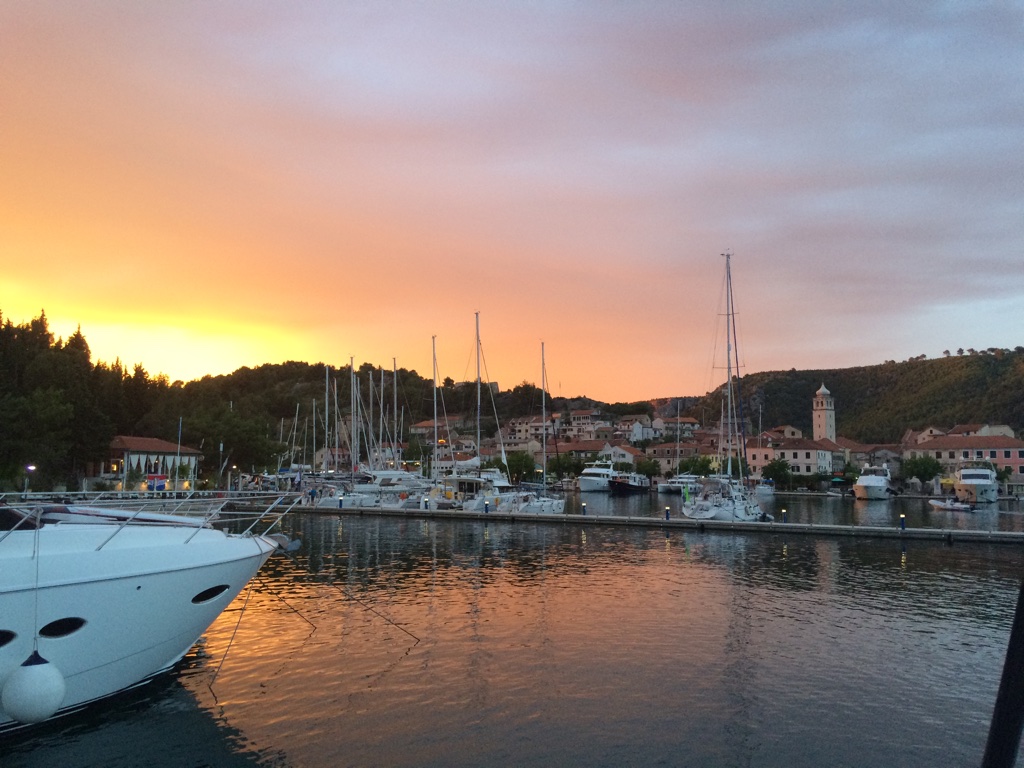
(34, 691)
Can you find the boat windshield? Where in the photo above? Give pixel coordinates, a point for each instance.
(11, 518)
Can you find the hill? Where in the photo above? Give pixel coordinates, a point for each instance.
(59, 411)
(877, 403)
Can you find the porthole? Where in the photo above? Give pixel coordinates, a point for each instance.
(6, 636)
(62, 627)
(208, 594)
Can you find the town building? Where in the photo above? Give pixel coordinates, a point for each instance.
(151, 464)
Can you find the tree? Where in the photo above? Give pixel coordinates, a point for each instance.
(521, 466)
(648, 468)
(565, 465)
(924, 468)
(778, 471)
(695, 465)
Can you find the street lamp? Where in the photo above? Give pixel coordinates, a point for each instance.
(29, 468)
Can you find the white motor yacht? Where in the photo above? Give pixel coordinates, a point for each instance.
(94, 601)
(684, 484)
(976, 484)
(874, 483)
(595, 476)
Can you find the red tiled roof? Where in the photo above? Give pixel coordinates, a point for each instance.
(132, 444)
(979, 442)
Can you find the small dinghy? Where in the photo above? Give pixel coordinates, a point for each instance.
(950, 504)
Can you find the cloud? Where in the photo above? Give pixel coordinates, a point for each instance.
(571, 170)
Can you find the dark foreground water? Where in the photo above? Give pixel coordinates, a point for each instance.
(391, 642)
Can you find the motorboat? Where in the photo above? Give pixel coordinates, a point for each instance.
(951, 504)
(976, 484)
(874, 483)
(629, 482)
(596, 476)
(94, 600)
(684, 484)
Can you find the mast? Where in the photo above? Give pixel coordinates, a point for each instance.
(394, 411)
(543, 419)
(381, 420)
(728, 364)
(353, 433)
(478, 459)
(737, 402)
(433, 453)
(327, 416)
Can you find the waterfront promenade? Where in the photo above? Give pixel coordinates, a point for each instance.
(681, 523)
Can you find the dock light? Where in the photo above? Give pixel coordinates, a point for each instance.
(28, 469)
(667, 514)
(903, 522)
(487, 506)
(341, 501)
(784, 514)
(584, 507)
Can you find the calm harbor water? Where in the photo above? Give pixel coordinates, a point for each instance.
(404, 642)
(822, 510)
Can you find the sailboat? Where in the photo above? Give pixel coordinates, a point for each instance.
(542, 502)
(724, 497)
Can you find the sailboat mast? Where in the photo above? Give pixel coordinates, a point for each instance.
(394, 411)
(728, 364)
(543, 418)
(478, 458)
(327, 416)
(433, 454)
(741, 448)
(353, 431)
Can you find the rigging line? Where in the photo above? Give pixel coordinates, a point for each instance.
(35, 607)
(355, 599)
(289, 606)
(241, 613)
(366, 606)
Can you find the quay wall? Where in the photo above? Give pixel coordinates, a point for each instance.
(949, 536)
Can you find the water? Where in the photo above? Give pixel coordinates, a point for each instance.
(402, 642)
(821, 510)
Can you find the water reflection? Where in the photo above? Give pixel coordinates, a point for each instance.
(407, 642)
(820, 509)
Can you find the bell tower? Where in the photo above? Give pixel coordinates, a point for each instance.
(824, 415)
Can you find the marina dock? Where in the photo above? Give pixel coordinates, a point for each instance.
(681, 523)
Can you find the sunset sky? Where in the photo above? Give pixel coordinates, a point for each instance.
(204, 186)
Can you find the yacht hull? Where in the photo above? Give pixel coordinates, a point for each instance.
(112, 618)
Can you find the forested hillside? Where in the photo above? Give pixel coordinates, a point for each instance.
(59, 411)
(876, 403)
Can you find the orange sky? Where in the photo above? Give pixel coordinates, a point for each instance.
(205, 187)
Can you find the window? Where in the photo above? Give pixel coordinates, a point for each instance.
(938, 454)
(1020, 454)
(952, 454)
(1006, 454)
(966, 455)
(991, 454)
(979, 454)
(807, 455)
(807, 469)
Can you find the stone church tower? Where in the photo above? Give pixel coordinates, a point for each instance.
(824, 415)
